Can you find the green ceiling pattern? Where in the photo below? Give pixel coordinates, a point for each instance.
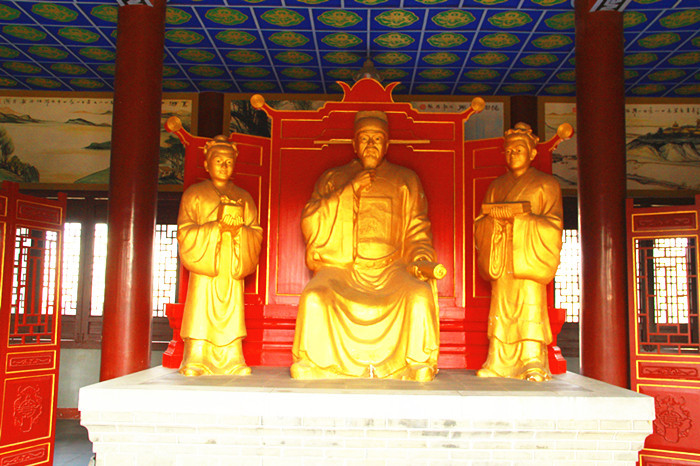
(441, 47)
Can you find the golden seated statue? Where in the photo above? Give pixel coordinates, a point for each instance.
(518, 239)
(219, 239)
(370, 309)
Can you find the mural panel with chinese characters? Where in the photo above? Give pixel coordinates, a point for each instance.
(487, 124)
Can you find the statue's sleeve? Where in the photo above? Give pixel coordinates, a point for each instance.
(327, 223)
(247, 241)
(198, 238)
(418, 241)
(490, 238)
(537, 235)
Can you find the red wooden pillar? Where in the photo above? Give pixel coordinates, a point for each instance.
(601, 193)
(524, 108)
(133, 189)
(210, 114)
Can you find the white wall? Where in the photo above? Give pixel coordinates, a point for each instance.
(81, 367)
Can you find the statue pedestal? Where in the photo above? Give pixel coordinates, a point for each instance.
(159, 417)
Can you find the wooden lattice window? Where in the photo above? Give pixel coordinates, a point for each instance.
(667, 283)
(84, 253)
(166, 268)
(71, 273)
(99, 265)
(567, 289)
(33, 286)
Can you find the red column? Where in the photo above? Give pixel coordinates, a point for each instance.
(210, 114)
(524, 108)
(601, 193)
(133, 189)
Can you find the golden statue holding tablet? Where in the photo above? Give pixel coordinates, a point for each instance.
(518, 238)
(219, 239)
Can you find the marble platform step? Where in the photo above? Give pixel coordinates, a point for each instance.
(160, 417)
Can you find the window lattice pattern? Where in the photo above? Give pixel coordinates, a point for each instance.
(567, 290)
(33, 300)
(99, 267)
(165, 268)
(71, 268)
(667, 307)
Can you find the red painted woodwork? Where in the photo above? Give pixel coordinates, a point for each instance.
(454, 175)
(557, 317)
(523, 108)
(67, 413)
(173, 354)
(601, 193)
(30, 247)
(665, 357)
(652, 459)
(210, 103)
(133, 190)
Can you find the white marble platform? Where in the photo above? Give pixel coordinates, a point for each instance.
(158, 417)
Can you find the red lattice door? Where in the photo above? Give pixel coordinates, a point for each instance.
(665, 327)
(31, 237)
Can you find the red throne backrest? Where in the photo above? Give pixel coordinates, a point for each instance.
(301, 162)
(303, 148)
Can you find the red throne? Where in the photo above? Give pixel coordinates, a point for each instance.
(280, 173)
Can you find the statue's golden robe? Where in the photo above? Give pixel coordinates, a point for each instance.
(363, 314)
(520, 259)
(217, 262)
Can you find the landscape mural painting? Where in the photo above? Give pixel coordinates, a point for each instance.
(663, 145)
(564, 162)
(68, 139)
(247, 120)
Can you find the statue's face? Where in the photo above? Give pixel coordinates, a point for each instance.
(370, 145)
(220, 164)
(519, 155)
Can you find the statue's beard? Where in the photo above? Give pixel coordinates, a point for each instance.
(370, 159)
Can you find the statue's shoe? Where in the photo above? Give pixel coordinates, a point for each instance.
(536, 374)
(534, 370)
(485, 372)
(194, 370)
(419, 373)
(305, 370)
(240, 370)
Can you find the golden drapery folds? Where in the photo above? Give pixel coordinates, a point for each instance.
(520, 257)
(213, 323)
(364, 313)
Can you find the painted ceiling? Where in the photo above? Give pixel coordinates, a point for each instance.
(441, 47)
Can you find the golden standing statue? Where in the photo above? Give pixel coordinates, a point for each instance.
(219, 239)
(370, 309)
(518, 238)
